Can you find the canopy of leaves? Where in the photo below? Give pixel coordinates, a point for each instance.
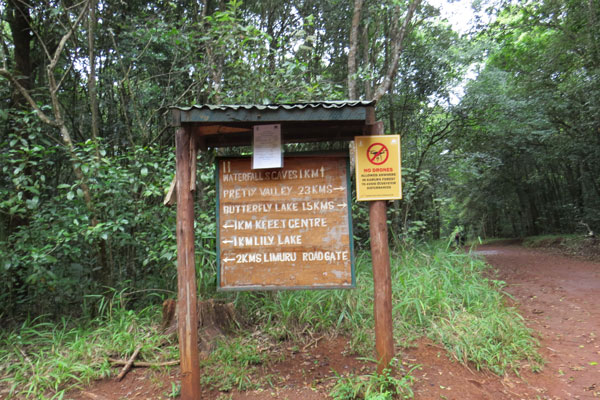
(534, 122)
(86, 148)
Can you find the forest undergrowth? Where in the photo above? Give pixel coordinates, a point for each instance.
(437, 293)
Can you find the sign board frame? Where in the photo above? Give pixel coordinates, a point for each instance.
(378, 167)
(228, 126)
(290, 163)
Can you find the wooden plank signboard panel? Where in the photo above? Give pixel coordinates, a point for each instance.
(287, 228)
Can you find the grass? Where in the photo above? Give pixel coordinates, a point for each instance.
(572, 240)
(446, 296)
(437, 293)
(296, 315)
(577, 245)
(374, 386)
(232, 365)
(44, 360)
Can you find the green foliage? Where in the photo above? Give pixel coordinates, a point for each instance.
(175, 390)
(54, 240)
(244, 53)
(441, 294)
(489, 339)
(66, 250)
(533, 111)
(436, 293)
(233, 364)
(545, 240)
(384, 386)
(519, 155)
(445, 296)
(577, 245)
(62, 248)
(43, 360)
(294, 314)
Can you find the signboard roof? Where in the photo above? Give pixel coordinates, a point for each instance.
(259, 113)
(232, 125)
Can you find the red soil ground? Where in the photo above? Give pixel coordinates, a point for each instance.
(557, 296)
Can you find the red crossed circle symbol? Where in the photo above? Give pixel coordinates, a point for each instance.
(377, 153)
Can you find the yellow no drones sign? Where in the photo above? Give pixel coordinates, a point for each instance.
(378, 174)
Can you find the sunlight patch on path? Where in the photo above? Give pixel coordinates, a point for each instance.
(486, 252)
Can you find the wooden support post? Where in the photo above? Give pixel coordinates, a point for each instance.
(186, 271)
(382, 281)
(193, 162)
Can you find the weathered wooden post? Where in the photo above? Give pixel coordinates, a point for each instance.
(186, 268)
(382, 282)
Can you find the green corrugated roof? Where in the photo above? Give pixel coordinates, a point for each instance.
(306, 111)
(231, 125)
(286, 106)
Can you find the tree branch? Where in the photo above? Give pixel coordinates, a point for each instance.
(45, 119)
(128, 364)
(66, 36)
(144, 364)
(398, 37)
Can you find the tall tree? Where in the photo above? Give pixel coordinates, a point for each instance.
(353, 48)
(400, 27)
(93, 95)
(535, 110)
(19, 20)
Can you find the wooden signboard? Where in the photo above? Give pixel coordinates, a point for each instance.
(287, 228)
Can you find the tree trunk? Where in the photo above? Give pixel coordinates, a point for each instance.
(391, 113)
(593, 29)
(20, 26)
(353, 48)
(21, 31)
(367, 58)
(216, 318)
(398, 34)
(95, 111)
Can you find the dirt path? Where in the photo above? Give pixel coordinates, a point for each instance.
(559, 298)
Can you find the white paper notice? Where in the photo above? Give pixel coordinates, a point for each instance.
(267, 151)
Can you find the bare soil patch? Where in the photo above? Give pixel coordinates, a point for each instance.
(557, 296)
(581, 248)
